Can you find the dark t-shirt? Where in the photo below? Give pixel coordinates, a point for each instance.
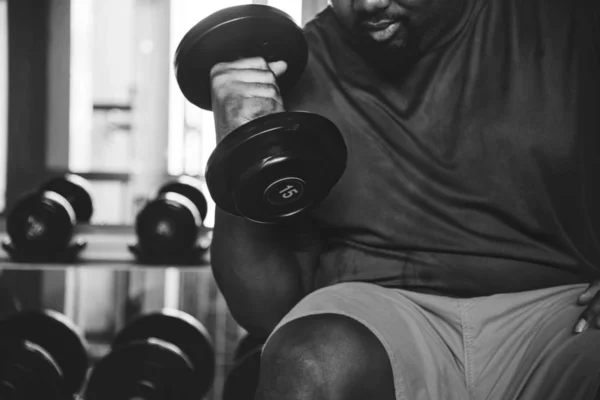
(476, 173)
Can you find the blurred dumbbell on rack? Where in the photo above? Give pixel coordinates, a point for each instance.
(41, 225)
(242, 380)
(166, 355)
(42, 356)
(168, 226)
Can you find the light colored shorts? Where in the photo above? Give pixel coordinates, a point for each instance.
(517, 346)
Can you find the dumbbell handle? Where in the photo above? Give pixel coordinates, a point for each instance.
(178, 198)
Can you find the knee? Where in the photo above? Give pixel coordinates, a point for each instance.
(325, 356)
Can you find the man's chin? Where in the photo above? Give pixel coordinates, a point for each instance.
(393, 57)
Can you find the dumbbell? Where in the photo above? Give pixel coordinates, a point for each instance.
(42, 356)
(242, 380)
(169, 225)
(278, 165)
(165, 355)
(43, 222)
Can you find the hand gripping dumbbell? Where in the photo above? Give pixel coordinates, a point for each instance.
(42, 356)
(166, 355)
(242, 380)
(167, 227)
(42, 223)
(278, 165)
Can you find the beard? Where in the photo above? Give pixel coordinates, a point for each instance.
(393, 58)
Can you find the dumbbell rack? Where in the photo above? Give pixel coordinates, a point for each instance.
(70, 254)
(110, 244)
(106, 256)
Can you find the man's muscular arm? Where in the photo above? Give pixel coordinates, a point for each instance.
(263, 270)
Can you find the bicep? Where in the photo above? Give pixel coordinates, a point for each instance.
(306, 241)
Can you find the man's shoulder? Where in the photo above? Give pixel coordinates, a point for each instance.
(321, 19)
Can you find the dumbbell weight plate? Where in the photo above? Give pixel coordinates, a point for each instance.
(190, 188)
(58, 336)
(144, 369)
(276, 166)
(168, 225)
(183, 331)
(242, 380)
(28, 372)
(41, 223)
(281, 187)
(235, 33)
(77, 191)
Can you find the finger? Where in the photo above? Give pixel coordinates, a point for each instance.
(589, 315)
(278, 68)
(265, 90)
(238, 91)
(244, 75)
(243, 63)
(589, 293)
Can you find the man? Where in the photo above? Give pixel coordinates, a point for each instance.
(454, 258)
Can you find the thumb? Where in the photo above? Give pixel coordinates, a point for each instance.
(278, 67)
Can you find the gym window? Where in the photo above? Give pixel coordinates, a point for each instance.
(129, 125)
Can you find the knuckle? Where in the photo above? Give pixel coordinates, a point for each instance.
(262, 63)
(271, 91)
(221, 81)
(218, 69)
(218, 81)
(270, 77)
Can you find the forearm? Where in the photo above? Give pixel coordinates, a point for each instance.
(258, 270)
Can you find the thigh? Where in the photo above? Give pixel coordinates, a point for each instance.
(525, 348)
(425, 356)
